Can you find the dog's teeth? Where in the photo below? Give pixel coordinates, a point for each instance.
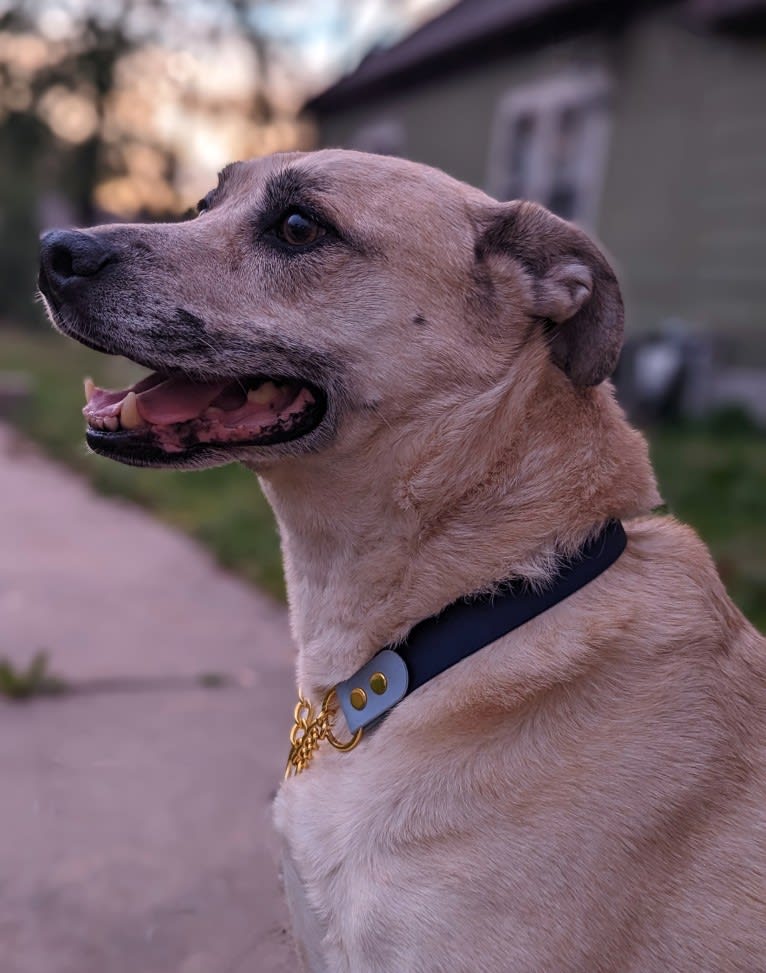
(263, 394)
(90, 387)
(112, 423)
(129, 417)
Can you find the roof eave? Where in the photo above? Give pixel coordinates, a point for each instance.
(392, 69)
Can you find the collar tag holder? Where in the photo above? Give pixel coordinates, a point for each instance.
(374, 689)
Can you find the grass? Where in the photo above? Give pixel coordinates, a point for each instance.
(712, 475)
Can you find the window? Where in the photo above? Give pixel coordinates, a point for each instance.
(549, 144)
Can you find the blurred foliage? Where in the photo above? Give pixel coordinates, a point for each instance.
(223, 508)
(33, 69)
(24, 142)
(711, 474)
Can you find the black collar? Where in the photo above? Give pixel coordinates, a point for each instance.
(464, 627)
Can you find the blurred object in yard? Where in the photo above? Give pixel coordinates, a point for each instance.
(15, 391)
(660, 374)
(679, 372)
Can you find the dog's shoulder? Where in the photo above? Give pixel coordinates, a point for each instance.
(677, 567)
(680, 604)
(664, 536)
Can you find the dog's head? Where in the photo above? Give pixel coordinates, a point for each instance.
(322, 292)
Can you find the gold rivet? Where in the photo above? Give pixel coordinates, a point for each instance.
(378, 683)
(358, 698)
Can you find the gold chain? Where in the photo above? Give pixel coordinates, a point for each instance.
(309, 730)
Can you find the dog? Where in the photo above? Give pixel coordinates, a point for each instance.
(419, 376)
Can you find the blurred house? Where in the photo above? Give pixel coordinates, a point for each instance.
(643, 121)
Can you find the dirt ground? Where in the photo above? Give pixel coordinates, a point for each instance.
(135, 828)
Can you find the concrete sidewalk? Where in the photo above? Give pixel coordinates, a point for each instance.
(135, 828)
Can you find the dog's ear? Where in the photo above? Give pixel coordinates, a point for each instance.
(572, 288)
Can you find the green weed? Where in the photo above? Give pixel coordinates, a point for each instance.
(24, 682)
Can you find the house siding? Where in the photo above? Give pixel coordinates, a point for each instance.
(683, 206)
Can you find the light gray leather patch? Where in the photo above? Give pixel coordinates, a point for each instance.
(373, 689)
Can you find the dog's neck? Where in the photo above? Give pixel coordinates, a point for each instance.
(382, 536)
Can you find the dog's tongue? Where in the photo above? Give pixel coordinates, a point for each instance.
(177, 399)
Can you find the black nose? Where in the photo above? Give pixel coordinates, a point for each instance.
(66, 255)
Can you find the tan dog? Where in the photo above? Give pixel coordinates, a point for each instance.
(587, 793)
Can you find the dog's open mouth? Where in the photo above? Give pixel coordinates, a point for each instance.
(168, 415)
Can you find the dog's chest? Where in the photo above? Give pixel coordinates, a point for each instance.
(308, 927)
(316, 819)
(364, 883)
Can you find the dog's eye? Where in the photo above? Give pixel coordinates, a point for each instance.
(298, 230)
(203, 206)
